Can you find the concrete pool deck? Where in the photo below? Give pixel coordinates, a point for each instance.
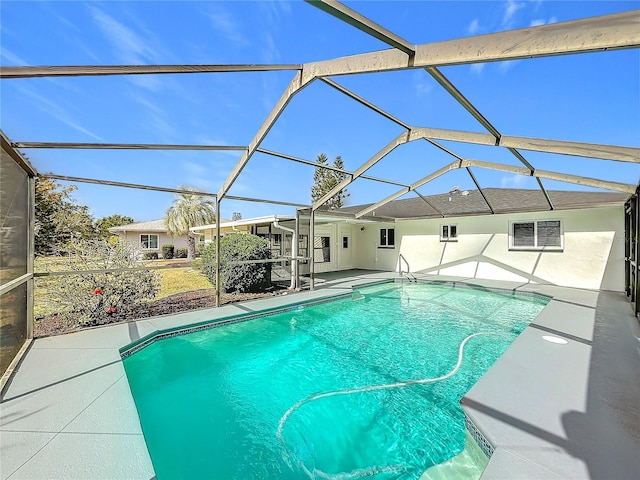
(548, 410)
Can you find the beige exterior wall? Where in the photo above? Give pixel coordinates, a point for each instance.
(341, 258)
(592, 257)
(163, 238)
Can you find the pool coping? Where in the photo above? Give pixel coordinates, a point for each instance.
(78, 420)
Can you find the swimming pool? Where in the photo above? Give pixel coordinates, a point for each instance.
(340, 389)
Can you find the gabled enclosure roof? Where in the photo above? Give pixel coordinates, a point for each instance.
(602, 34)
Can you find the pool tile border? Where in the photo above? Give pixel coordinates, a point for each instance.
(482, 442)
(504, 291)
(147, 340)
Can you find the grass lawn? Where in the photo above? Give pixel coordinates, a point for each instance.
(178, 280)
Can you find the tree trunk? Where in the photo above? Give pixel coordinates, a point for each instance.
(191, 247)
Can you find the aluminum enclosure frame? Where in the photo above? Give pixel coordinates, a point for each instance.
(608, 32)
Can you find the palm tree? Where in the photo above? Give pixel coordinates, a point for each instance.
(189, 210)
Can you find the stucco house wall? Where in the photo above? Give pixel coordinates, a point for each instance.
(592, 256)
(163, 238)
(133, 232)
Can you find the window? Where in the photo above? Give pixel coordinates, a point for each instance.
(387, 238)
(321, 249)
(449, 233)
(149, 241)
(536, 235)
(303, 247)
(345, 242)
(276, 244)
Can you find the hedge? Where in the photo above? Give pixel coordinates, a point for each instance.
(167, 251)
(239, 278)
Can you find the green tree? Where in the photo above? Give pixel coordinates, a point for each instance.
(189, 210)
(58, 217)
(103, 225)
(324, 180)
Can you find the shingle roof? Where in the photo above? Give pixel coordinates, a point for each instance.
(502, 200)
(159, 225)
(151, 226)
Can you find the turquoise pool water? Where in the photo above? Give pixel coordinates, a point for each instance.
(234, 402)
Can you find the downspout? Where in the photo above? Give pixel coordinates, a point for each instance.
(294, 251)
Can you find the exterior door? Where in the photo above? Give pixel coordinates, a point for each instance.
(345, 248)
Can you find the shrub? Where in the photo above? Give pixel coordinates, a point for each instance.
(182, 252)
(199, 247)
(89, 297)
(113, 239)
(150, 255)
(239, 278)
(167, 251)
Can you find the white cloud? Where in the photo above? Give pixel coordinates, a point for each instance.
(511, 8)
(275, 13)
(504, 67)
(12, 57)
(474, 27)
(477, 68)
(130, 47)
(423, 87)
(541, 21)
(270, 51)
(226, 25)
(513, 181)
(56, 111)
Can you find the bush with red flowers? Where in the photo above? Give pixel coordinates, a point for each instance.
(89, 298)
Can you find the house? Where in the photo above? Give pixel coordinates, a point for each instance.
(495, 233)
(150, 236)
(502, 234)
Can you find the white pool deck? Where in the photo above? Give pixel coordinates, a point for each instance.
(551, 411)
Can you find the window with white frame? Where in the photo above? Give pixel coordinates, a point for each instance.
(322, 249)
(536, 235)
(387, 238)
(149, 242)
(449, 233)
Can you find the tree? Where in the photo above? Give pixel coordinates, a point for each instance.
(189, 210)
(325, 180)
(236, 216)
(103, 225)
(58, 217)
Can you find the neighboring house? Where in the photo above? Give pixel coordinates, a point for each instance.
(150, 236)
(501, 234)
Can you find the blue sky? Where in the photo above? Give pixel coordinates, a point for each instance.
(588, 97)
